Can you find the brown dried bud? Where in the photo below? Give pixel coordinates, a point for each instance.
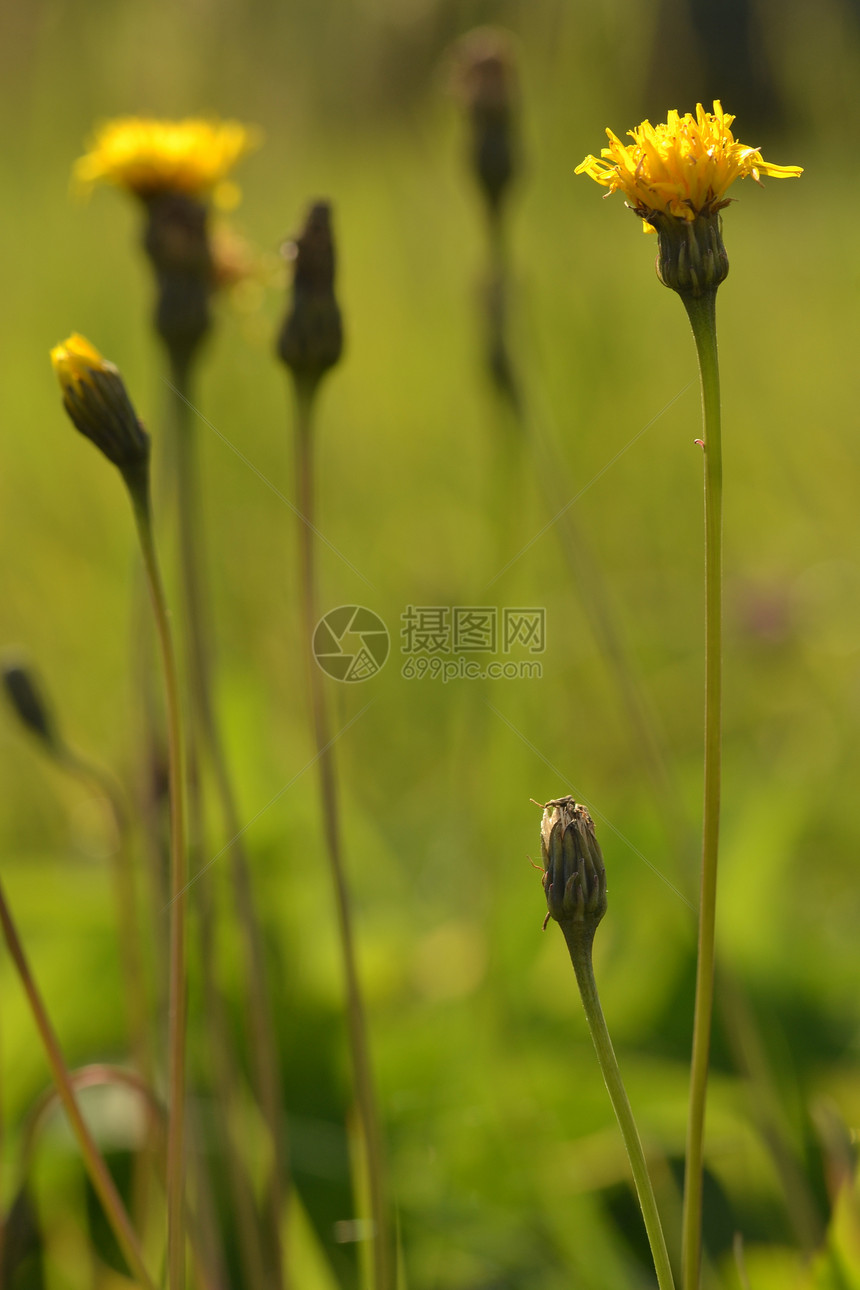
(311, 339)
(574, 876)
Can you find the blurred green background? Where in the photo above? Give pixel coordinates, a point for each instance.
(507, 1169)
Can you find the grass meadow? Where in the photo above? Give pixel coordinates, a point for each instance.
(506, 1167)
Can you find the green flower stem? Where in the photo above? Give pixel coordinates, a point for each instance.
(94, 1162)
(579, 947)
(138, 486)
(702, 315)
(257, 995)
(356, 1020)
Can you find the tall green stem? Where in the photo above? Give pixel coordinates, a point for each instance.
(579, 948)
(702, 314)
(264, 1056)
(356, 1020)
(93, 1160)
(177, 998)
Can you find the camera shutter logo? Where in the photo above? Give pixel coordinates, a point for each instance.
(351, 643)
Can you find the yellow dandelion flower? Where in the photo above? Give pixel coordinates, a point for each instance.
(683, 167)
(75, 361)
(148, 157)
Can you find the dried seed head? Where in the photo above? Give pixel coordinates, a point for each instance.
(574, 876)
(311, 339)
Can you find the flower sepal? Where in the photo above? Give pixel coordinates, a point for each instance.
(691, 256)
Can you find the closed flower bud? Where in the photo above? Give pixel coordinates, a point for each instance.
(97, 403)
(26, 698)
(574, 876)
(311, 340)
(487, 86)
(691, 257)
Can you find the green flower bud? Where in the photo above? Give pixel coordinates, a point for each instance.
(691, 257)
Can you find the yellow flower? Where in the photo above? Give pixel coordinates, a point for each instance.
(75, 361)
(149, 157)
(682, 168)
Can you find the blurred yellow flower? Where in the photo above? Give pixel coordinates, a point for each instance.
(75, 361)
(682, 168)
(149, 157)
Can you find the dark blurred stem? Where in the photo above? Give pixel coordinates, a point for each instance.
(383, 1264)
(177, 987)
(264, 1057)
(94, 1162)
(702, 314)
(585, 573)
(579, 945)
